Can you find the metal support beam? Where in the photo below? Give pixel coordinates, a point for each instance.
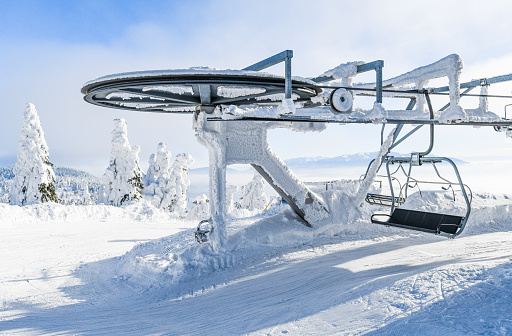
(477, 82)
(288, 76)
(272, 60)
(205, 94)
(377, 66)
(406, 136)
(291, 202)
(285, 56)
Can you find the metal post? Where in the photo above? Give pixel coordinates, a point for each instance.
(288, 76)
(379, 84)
(431, 112)
(390, 187)
(377, 66)
(285, 56)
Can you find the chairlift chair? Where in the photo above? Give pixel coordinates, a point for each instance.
(431, 222)
(440, 224)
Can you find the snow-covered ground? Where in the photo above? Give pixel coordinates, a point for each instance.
(133, 270)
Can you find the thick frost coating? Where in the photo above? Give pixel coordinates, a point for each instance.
(253, 194)
(343, 71)
(34, 179)
(176, 89)
(448, 67)
(198, 71)
(481, 113)
(238, 91)
(123, 177)
(245, 142)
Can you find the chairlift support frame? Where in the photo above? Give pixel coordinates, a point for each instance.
(142, 92)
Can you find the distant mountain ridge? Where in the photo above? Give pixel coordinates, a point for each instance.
(351, 160)
(348, 160)
(358, 159)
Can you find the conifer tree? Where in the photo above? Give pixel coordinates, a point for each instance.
(175, 198)
(123, 177)
(200, 209)
(34, 178)
(166, 187)
(253, 194)
(157, 175)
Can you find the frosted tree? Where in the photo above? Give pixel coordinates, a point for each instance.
(34, 178)
(85, 196)
(175, 189)
(157, 175)
(230, 203)
(200, 209)
(166, 187)
(158, 164)
(253, 194)
(123, 177)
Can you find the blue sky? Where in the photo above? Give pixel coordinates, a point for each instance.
(49, 49)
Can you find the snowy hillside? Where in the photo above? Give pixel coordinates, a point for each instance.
(134, 270)
(72, 185)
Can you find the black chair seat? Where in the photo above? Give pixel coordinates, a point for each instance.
(419, 220)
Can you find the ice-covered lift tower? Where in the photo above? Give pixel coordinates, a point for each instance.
(234, 109)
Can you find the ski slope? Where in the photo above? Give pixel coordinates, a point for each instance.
(133, 270)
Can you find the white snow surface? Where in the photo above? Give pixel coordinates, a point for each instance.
(133, 270)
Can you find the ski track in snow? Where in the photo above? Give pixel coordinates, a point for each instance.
(63, 277)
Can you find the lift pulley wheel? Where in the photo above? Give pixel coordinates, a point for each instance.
(186, 91)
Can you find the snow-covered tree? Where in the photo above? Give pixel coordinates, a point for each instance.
(157, 175)
(123, 177)
(200, 209)
(159, 164)
(166, 187)
(230, 203)
(34, 179)
(175, 198)
(253, 194)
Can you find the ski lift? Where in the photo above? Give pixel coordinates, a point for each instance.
(203, 228)
(437, 223)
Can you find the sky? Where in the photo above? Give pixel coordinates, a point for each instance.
(49, 49)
